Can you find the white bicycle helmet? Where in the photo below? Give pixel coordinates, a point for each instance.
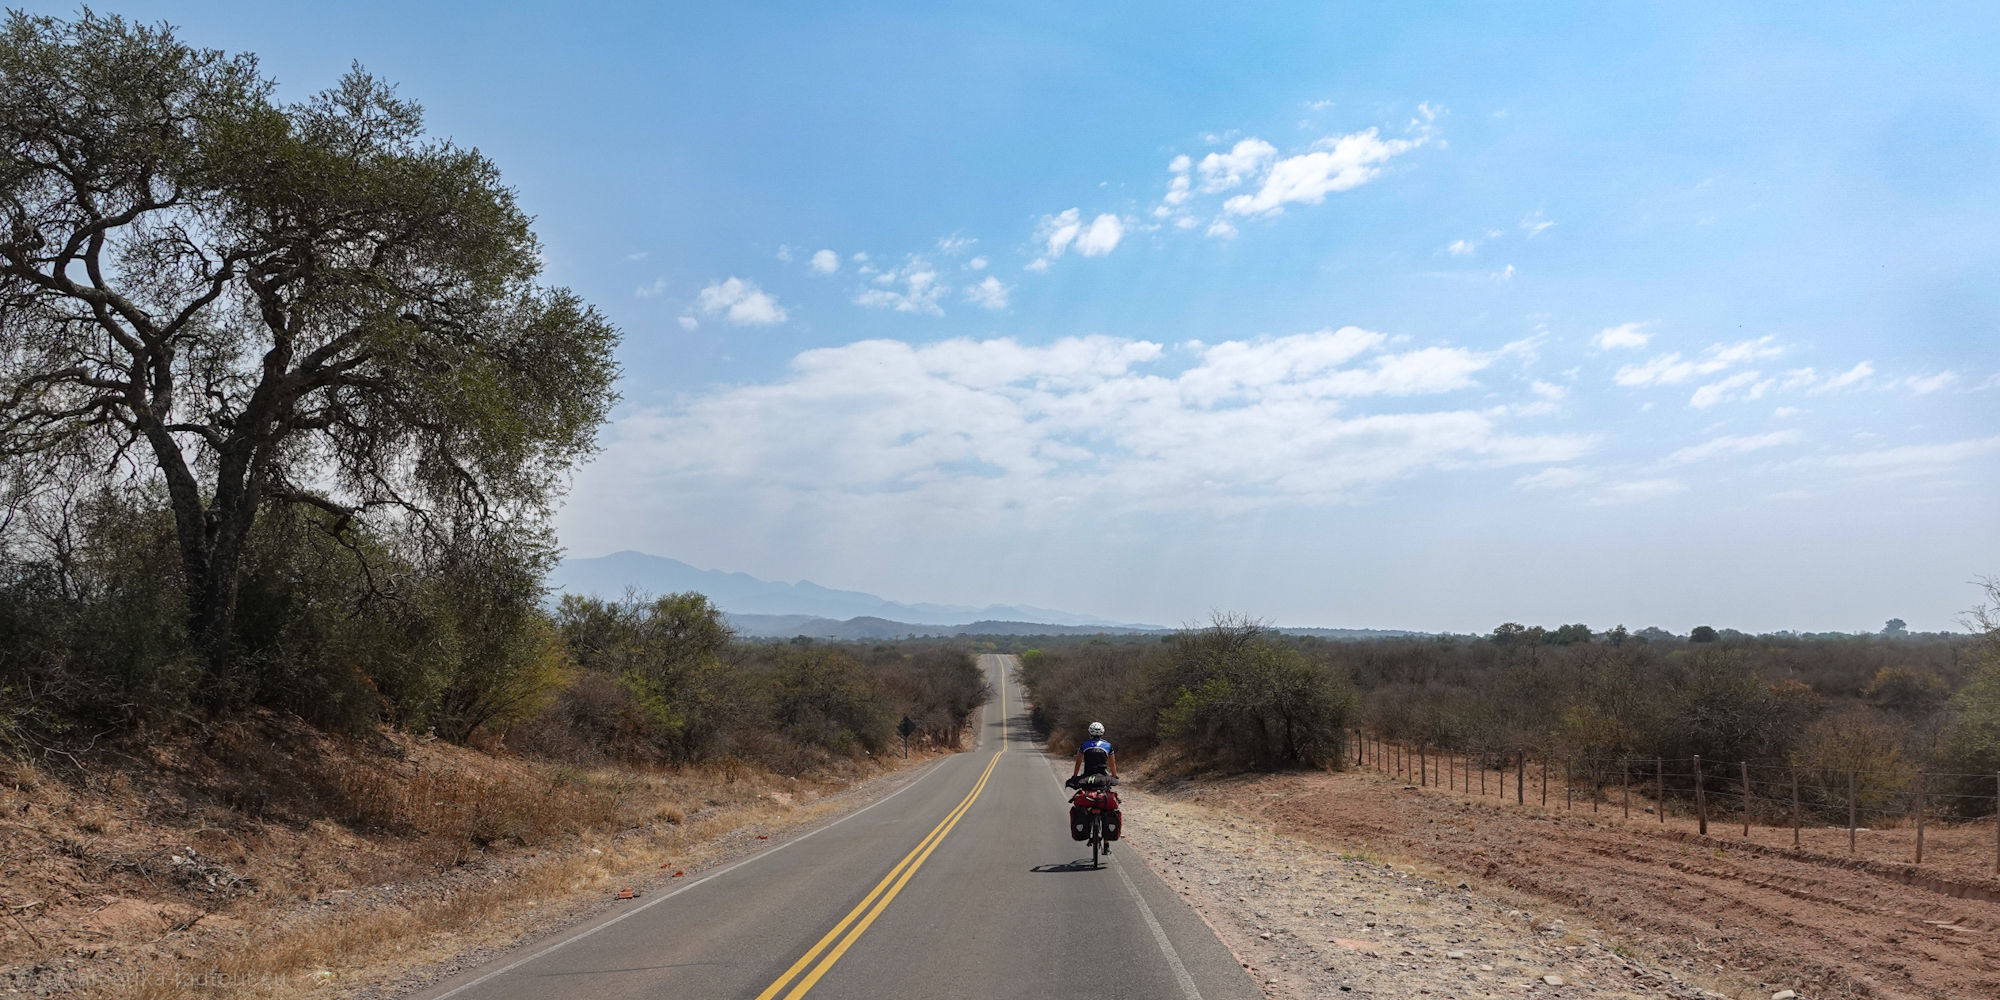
(1097, 729)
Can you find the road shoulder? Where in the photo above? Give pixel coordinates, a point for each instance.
(1307, 920)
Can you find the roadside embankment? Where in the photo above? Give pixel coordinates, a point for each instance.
(266, 856)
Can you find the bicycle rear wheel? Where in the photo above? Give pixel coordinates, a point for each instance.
(1096, 838)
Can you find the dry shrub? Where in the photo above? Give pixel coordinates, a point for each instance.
(461, 808)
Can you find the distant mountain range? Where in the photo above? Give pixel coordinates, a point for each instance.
(750, 601)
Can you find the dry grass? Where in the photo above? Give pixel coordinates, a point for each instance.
(341, 863)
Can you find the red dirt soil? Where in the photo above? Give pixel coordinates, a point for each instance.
(1745, 911)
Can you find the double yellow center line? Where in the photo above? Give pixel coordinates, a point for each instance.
(857, 920)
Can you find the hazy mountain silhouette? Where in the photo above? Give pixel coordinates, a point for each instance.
(742, 594)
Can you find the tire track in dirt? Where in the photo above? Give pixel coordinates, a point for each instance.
(1744, 914)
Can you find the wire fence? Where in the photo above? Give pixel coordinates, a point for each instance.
(1708, 792)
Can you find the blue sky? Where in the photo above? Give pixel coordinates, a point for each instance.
(1419, 319)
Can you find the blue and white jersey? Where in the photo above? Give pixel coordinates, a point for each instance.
(1096, 756)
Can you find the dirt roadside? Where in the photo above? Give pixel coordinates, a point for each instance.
(1616, 905)
(1309, 919)
(196, 871)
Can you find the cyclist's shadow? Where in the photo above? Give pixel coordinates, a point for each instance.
(1080, 865)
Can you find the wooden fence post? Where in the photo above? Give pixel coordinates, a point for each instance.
(1625, 766)
(1851, 813)
(1921, 789)
(1660, 787)
(1545, 782)
(1423, 768)
(1746, 800)
(1521, 780)
(1795, 809)
(1700, 797)
(1569, 788)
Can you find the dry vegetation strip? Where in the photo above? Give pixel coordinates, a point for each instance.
(1736, 913)
(195, 870)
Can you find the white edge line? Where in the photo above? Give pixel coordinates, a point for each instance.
(1159, 935)
(635, 911)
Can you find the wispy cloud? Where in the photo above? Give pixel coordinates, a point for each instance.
(1727, 445)
(1058, 233)
(988, 294)
(1338, 163)
(919, 291)
(1534, 225)
(1673, 369)
(740, 302)
(1624, 335)
(1638, 491)
(1005, 425)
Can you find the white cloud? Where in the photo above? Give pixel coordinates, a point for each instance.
(1534, 225)
(1851, 376)
(1556, 478)
(1177, 189)
(1548, 391)
(1222, 171)
(859, 257)
(1222, 229)
(920, 294)
(1672, 369)
(1786, 411)
(1811, 380)
(689, 322)
(785, 254)
(1924, 385)
(654, 290)
(976, 264)
(1504, 275)
(740, 302)
(1002, 426)
(825, 262)
(988, 294)
(1335, 164)
(1742, 385)
(1622, 335)
(1056, 232)
(1638, 491)
(1915, 457)
(1460, 248)
(1038, 265)
(955, 244)
(1727, 445)
(641, 255)
(1101, 237)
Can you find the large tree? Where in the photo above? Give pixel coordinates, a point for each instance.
(254, 303)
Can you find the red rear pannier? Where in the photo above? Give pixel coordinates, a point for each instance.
(1083, 803)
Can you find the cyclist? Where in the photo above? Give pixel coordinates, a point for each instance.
(1095, 756)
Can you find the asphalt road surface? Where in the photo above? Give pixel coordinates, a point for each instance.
(962, 884)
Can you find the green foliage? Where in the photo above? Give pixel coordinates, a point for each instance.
(339, 629)
(310, 306)
(826, 698)
(1245, 700)
(1230, 696)
(662, 679)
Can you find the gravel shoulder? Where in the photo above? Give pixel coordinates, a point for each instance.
(1615, 907)
(1313, 919)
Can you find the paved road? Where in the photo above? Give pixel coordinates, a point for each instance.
(964, 884)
